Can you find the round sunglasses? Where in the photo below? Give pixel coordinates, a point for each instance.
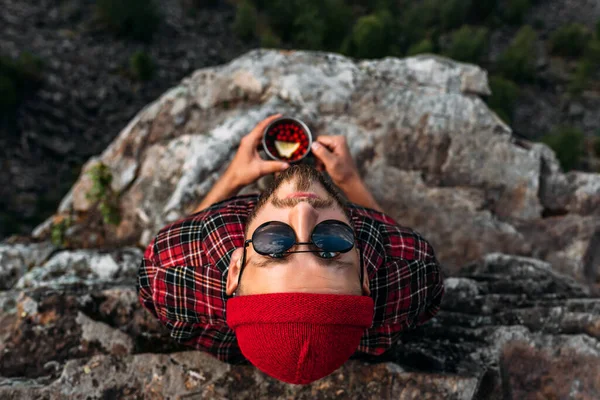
(275, 239)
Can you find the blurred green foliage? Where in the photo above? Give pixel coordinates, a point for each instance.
(454, 13)
(141, 66)
(18, 77)
(135, 19)
(102, 194)
(268, 39)
(368, 37)
(570, 40)
(424, 46)
(592, 52)
(517, 62)
(309, 24)
(587, 67)
(581, 77)
(419, 21)
(245, 21)
(469, 44)
(515, 11)
(309, 30)
(504, 96)
(569, 145)
(597, 146)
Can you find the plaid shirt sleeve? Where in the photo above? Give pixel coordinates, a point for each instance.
(405, 278)
(182, 276)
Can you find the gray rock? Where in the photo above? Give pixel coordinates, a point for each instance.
(428, 147)
(83, 266)
(510, 327)
(17, 259)
(198, 375)
(112, 341)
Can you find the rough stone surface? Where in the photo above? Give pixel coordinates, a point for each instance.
(83, 266)
(436, 158)
(111, 340)
(16, 259)
(510, 327)
(429, 148)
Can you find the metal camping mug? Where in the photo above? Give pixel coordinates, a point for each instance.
(282, 135)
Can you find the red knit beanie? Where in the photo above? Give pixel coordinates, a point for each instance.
(299, 337)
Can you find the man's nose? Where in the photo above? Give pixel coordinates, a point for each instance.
(303, 218)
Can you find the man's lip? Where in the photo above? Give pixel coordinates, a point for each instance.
(301, 194)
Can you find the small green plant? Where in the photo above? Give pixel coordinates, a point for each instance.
(468, 44)
(570, 40)
(368, 39)
(135, 19)
(141, 66)
(569, 145)
(515, 11)
(58, 232)
(424, 46)
(517, 62)
(504, 96)
(245, 21)
(102, 194)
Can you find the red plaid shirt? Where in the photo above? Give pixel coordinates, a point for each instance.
(182, 277)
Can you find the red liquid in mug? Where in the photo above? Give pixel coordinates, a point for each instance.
(287, 131)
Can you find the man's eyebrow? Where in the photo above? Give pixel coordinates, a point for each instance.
(266, 261)
(317, 203)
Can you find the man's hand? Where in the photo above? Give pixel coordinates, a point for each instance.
(247, 166)
(333, 156)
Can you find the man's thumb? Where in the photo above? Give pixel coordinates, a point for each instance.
(270, 167)
(322, 153)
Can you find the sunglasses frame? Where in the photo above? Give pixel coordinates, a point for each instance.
(248, 241)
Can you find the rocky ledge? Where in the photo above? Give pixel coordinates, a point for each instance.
(429, 148)
(524, 325)
(510, 328)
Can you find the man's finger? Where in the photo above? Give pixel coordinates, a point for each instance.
(270, 167)
(257, 132)
(322, 153)
(331, 142)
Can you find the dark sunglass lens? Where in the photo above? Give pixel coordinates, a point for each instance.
(333, 236)
(273, 238)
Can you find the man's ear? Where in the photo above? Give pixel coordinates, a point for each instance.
(365, 283)
(233, 274)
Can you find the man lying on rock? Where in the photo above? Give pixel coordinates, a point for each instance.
(295, 280)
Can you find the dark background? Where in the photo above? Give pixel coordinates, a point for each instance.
(74, 72)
